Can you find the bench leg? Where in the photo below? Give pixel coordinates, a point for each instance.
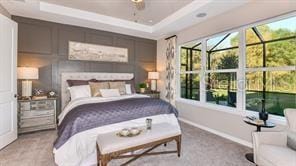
(98, 156)
(178, 142)
(104, 160)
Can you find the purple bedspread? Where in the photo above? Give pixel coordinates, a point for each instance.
(88, 116)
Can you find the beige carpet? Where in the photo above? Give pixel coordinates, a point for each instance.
(199, 148)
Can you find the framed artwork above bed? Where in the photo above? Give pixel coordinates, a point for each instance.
(94, 52)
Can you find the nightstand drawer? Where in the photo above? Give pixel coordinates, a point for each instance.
(34, 114)
(25, 106)
(36, 121)
(42, 105)
(37, 105)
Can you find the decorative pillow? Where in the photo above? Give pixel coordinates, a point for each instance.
(128, 89)
(109, 92)
(291, 140)
(96, 86)
(131, 82)
(79, 91)
(120, 85)
(79, 82)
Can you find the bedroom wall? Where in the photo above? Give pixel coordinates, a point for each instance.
(225, 124)
(45, 45)
(4, 11)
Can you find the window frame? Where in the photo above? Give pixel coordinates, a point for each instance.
(179, 72)
(206, 71)
(241, 72)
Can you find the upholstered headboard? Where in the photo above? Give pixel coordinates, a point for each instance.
(65, 96)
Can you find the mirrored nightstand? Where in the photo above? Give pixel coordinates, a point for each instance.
(35, 115)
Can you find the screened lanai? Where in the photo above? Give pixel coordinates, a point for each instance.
(270, 57)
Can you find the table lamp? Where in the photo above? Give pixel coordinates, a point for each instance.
(27, 74)
(153, 76)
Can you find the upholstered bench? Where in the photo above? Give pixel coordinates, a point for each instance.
(110, 146)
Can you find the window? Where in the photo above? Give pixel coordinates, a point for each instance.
(270, 73)
(265, 62)
(190, 86)
(278, 94)
(190, 67)
(222, 55)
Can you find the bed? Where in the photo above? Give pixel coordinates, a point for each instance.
(83, 119)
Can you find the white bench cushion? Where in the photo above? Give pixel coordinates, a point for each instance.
(278, 155)
(110, 142)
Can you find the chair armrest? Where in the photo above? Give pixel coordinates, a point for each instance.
(271, 138)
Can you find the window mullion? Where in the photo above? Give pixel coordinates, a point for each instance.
(191, 72)
(261, 69)
(202, 85)
(178, 73)
(221, 71)
(240, 97)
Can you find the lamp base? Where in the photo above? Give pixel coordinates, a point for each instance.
(153, 85)
(26, 88)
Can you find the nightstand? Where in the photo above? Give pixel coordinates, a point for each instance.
(151, 94)
(35, 115)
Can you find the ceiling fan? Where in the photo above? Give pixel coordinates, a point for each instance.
(140, 4)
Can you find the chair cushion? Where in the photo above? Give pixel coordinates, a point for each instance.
(291, 140)
(290, 114)
(110, 142)
(277, 155)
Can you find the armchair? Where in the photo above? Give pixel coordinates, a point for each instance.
(270, 148)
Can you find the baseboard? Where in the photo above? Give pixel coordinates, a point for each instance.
(232, 138)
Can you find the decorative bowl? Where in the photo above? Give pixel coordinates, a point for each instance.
(124, 132)
(135, 131)
(132, 132)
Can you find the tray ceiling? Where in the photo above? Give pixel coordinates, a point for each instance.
(154, 12)
(167, 16)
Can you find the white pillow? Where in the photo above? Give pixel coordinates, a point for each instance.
(110, 92)
(128, 89)
(79, 91)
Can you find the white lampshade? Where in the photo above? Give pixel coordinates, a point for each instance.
(27, 73)
(137, 1)
(153, 75)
